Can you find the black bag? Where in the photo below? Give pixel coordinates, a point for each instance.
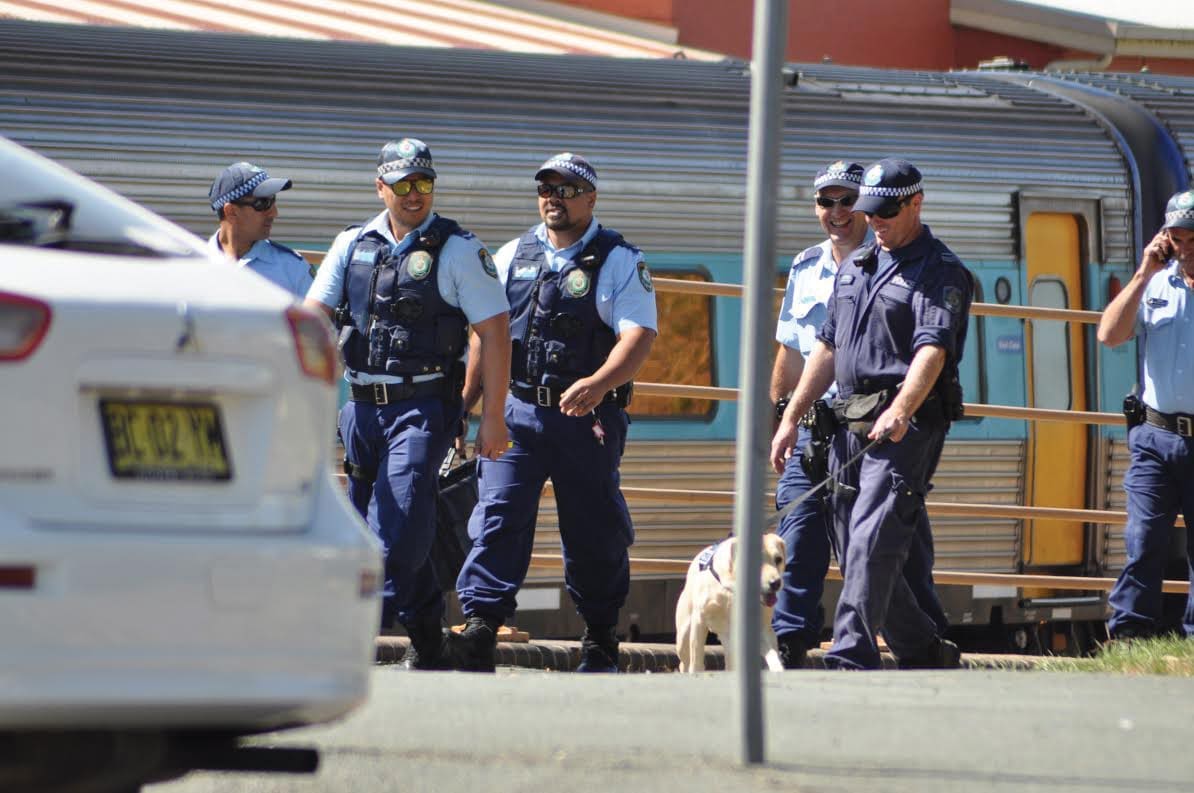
(454, 505)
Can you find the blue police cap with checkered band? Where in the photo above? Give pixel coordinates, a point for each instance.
(887, 182)
(401, 158)
(243, 180)
(570, 166)
(1179, 212)
(839, 174)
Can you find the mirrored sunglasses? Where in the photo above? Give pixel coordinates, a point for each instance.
(259, 204)
(829, 203)
(888, 211)
(423, 186)
(567, 190)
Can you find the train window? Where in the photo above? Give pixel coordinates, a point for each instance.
(683, 354)
(1050, 348)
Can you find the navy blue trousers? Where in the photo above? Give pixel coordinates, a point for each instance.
(595, 527)
(1159, 481)
(805, 531)
(404, 442)
(881, 527)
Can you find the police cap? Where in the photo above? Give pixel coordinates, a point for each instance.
(571, 166)
(243, 180)
(401, 158)
(839, 174)
(1179, 212)
(886, 183)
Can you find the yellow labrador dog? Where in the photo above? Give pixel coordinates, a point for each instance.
(707, 602)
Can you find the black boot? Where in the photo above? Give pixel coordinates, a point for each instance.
(941, 654)
(475, 649)
(792, 651)
(598, 649)
(427, 646)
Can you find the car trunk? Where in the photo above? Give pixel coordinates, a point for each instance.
(180, 417)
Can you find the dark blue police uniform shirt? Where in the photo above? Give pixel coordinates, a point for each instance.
(887, 306)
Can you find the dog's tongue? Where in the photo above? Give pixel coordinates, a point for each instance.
(769, 599)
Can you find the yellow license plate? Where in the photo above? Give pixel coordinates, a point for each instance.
(169, 441)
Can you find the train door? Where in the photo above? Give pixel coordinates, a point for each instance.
(1056, 454)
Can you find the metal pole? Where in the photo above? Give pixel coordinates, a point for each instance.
(754, 354)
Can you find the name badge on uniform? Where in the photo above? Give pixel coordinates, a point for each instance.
(364, 256)
(1157, 302)
(847, 279)
(899, 280)
(525, 272)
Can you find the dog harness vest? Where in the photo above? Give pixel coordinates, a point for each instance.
(705, 562)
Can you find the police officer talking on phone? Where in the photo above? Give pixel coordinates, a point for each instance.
(404, 289)
(1157, 307)
(892, 339)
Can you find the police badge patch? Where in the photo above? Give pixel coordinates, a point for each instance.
(644, 277)
(577, 283)
(1185, 200)
(873, 176)
(952, 297)
(487, 263)
(418, 264)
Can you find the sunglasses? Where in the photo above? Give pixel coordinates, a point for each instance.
(259, 204)
(829, 203)
(560, 190)
(888, 211)
(423, 186)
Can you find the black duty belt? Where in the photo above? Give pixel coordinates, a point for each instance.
(385, 393)
(1181, 423)
(547, 397)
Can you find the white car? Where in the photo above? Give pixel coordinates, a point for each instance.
(174, 553)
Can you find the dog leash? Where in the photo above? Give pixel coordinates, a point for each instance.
(778, 516)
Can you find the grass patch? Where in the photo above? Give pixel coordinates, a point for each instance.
(1167, 655)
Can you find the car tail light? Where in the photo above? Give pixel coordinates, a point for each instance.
(313, 343)
(23, 324)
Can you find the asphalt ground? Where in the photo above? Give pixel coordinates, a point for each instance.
(906, 732)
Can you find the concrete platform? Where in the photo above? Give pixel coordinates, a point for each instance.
(563, 656)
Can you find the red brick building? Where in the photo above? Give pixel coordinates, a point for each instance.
(924, 34)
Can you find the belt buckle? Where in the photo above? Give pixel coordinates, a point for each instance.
(543, 396)
(381, 394)
(1185, 426)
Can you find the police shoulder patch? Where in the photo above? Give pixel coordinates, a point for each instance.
(644, 276)
(952, 297)
(487, 263)
(418, 264)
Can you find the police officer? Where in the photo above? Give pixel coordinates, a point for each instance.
(582, 311)
(892, 339)
(403, 290)
(1157, 305)
(797, 618)
(244, 198)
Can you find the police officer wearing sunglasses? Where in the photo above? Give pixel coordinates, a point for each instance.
(244, 198)
(1157, 307)
(892, 340)
(404, 291)
(583, 320)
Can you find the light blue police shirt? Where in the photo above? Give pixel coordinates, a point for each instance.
(274, 262)
(1165, 328)
(460, 276)
(810, 284)
(625, 297)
